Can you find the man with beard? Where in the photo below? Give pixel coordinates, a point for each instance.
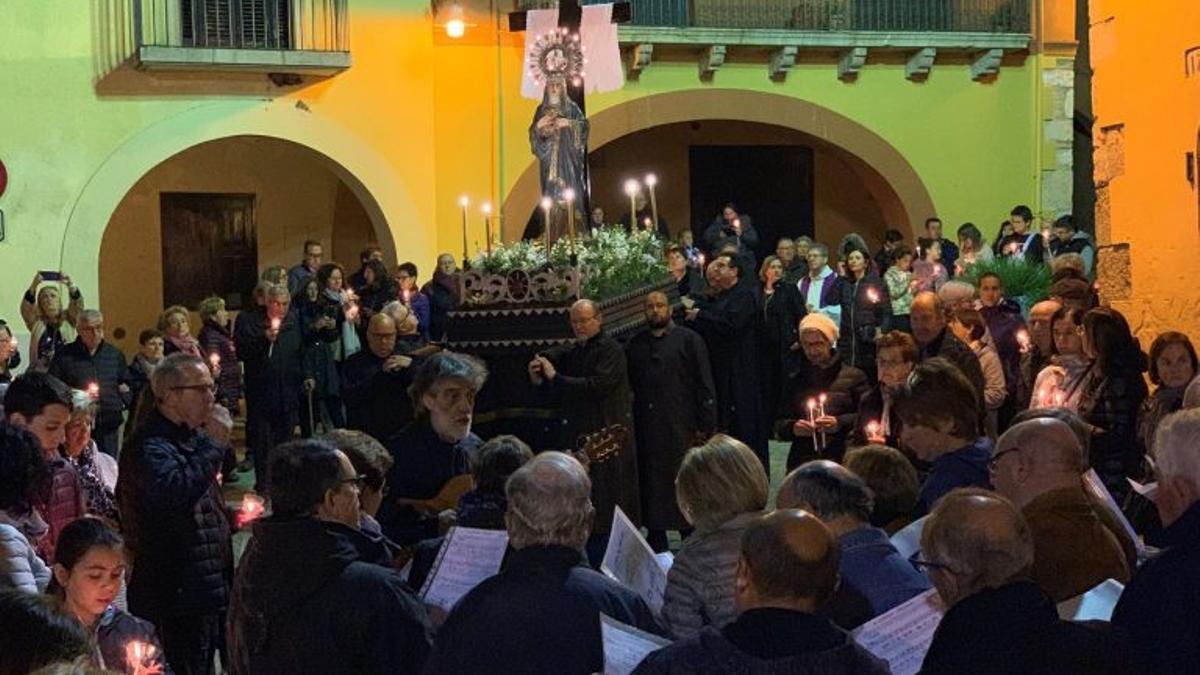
(674, 407)
(589, 381)
(436, 447)
(728, 323)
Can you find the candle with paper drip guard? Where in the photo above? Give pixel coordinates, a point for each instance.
(875, 432)
(812, 422)
(93, 390)
(250, 509)
(872, 295)
(651, 181)
(140, 656)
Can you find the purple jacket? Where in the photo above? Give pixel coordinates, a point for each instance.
(829, 294)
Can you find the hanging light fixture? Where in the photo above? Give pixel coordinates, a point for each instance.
(456, 25)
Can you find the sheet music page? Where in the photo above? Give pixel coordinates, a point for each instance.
(625, 646)
(631, 561)
(902, 636)
(1094, 605)
(468, 556)
(1093, 484)
(1149, 490)
(665, 560)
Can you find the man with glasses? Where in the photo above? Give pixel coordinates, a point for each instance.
(305, 600)
(374, 383)
(174, 519)
(314, 253)
(1038, 465)
(978, 552)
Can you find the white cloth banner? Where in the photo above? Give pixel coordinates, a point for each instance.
(603, 71)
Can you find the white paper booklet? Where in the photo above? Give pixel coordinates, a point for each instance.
(631, 561)
(1093, 484)
(625, 646)
(467, 557)
(902, 635)
(1094, 605)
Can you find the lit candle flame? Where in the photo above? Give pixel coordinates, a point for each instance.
(547, 203)
(632, 187)
(1023, 340)
(651, 180)
(873, 295)
(214, 359)
(487, 208)
(251, 509)
(812, 404)
(93, 390)
(569, 194)
(139, 654)
(276, 323)
(464, 201)
(352, 312)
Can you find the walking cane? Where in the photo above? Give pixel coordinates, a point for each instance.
(309, 386)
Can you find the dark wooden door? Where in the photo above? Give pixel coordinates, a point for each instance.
(209, 247)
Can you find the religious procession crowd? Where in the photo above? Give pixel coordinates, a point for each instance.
(1007, 452)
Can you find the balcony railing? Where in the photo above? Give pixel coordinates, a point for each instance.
(253, 34)
(892, 16)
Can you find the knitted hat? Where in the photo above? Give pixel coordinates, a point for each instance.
(821, 323)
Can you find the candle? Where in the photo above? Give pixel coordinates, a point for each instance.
(276, 322)
(487, 225)
(93, 390)
(569, 195)
(821, 403)
(872, 295)
(1023, 341)
(464, 201)
(651, 181)
(631, 189)
(812, 419)
(214, 359)
(700, 260)
(407, 295)
(140, 655)
(873, 430)
(546, 204)
(251, 509)
(352, 312)
(647, 224)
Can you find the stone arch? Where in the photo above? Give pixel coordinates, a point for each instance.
(884, 168)
(365, 172)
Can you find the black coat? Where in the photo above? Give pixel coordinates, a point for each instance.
(306, 601)
(176, 528)
(1111, 403)
(274, 375)
(720, 232)
(729, 326)
(674, 407)
(442, 299)
(318, 347)
(115, 629)
(376, 402)
(540, 614)
(844, 387)
(423, 463)
(1160, 608)
(216, 339)
(592, 391)
(1015, 629)
(955, 351)
(77, 368)
(866, 311)
(870, 409)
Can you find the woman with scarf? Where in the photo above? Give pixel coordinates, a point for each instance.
(1061, 384)
(97, 470)
(443, 294)
(176, 326)
(340, 302)
(50, 327)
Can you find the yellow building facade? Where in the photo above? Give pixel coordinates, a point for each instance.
(372, 122)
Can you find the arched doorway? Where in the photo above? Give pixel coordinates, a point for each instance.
(208, 219)
(879, 170)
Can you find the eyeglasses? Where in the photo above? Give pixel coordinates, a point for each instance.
(995, 460)
(915, 561)
(359, 482)
(200, 388)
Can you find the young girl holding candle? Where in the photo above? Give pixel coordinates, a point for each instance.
(88, 573)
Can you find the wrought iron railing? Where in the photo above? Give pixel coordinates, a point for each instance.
(932, 16)
(309, 25)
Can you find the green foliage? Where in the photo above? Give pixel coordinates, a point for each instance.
(1020, 279)
(613, 261)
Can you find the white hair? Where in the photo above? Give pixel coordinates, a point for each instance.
(549, 502)
(91, 317)
(1177, 446)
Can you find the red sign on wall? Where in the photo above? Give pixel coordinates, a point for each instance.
(3, 178)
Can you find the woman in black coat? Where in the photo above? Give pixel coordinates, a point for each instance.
(319, 330)
(866, 312)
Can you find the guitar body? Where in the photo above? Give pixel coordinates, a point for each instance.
(445, 499)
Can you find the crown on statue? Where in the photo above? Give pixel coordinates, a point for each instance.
(557, 57)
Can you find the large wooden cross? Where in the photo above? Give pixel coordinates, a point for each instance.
(570, 13)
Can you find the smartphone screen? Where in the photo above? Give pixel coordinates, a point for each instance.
(50, 276)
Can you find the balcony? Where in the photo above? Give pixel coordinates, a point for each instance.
(302, 37)
(981, 31)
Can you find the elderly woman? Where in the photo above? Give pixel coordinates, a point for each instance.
(1172, 366)
(176, 325)
(216, 342)
(721, 488)
(50, 327)
(896, 354)
(97, 470)
(23, 473)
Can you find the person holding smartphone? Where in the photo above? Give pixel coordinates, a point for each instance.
(50, 326)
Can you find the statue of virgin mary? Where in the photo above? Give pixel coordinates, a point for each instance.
(558, 137)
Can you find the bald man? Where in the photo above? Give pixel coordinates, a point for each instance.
(589, 382)
(978, 551)
(375, 382)
(929, 328)
(788, 569)
(1037, 464)
(674, 407)
(874, 576)
(1036, 353)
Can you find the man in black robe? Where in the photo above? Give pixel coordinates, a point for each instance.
(728, 322)
(375, 383)
(674, 408)
(589, 381)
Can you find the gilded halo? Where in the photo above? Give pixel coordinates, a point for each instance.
(557, 56)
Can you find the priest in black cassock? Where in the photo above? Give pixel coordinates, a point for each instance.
(589, 382)
(728, 322)
(674, 409)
